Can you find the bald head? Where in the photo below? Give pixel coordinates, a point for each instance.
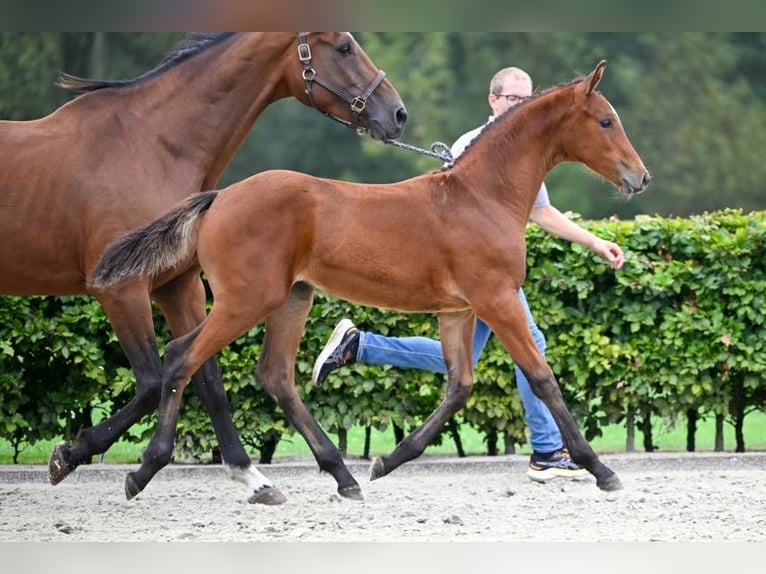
(516, 76)
(507, 88)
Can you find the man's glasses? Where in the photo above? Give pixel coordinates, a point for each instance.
(511, 98)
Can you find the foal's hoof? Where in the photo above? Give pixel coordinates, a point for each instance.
(131, 486)
(377, 469)
(267, 495)
(353, 492)
(610, 483)
(59, 466)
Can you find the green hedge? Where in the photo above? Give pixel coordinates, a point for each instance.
(679, 329)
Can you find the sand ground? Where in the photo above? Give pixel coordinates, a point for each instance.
(667, 497)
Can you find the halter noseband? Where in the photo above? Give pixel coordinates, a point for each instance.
(356, 103)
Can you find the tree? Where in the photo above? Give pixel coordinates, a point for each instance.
(702, 128)
(28, 65)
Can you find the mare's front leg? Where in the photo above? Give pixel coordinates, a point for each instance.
(182, 302)
(129, 311)
(456, 333)
(505, 314)
(276, 373)
(183, 357)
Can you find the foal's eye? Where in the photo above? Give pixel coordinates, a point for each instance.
(344, 49)
(606, 123)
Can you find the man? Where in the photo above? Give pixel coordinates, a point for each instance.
(550, 458)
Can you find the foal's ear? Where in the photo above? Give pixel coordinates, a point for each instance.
(595, 77)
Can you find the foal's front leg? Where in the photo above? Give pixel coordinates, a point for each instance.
(456, 333)
(509, 323)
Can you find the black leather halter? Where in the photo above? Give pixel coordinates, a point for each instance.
(356, 103)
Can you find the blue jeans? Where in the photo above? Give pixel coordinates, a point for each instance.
(426, 354)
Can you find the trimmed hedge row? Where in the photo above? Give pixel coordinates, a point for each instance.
(678, 330)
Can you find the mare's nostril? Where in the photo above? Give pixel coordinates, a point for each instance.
(401, 117)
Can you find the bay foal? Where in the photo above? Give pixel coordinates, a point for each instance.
(450, 243)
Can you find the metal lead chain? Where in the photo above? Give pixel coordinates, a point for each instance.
(438, 150)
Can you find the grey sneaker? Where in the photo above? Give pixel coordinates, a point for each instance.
(545, 467)
(339, 350)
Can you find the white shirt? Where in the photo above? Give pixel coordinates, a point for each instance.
(462, 142)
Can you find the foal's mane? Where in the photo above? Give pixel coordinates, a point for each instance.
(493, 126)
(187, 48)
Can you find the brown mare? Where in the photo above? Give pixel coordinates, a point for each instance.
(450, 242)
(124, 152)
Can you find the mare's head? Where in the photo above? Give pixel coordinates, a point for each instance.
(594, 136)
(339, 79)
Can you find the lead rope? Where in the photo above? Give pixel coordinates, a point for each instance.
(438, 150)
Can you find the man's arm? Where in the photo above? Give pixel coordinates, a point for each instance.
(558, 224)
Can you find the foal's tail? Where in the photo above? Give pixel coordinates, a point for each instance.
(155, 248)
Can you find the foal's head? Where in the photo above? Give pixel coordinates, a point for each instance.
(593, 135)
(339, 79)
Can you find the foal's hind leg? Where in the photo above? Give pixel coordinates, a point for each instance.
(509, 323)
(183, 357)
(456, 333)
(129, 311)
(276, 373)
(183, 304)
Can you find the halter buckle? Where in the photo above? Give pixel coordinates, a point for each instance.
(358, 105)
(304, 52)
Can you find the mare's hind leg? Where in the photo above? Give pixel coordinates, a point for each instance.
(276, 373)
(456, 333)
(183, 357)
(129, 311)
(509, 323)
(183, 304)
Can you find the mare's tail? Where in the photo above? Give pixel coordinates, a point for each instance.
(157, 247)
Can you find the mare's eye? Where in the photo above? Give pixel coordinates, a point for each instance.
(606, 123)
(344, 49)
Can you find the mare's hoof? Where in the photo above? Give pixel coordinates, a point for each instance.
(58, 464)
(269, 496)
(377, 469)
(353, 492)
(611, 483)
(131, 487)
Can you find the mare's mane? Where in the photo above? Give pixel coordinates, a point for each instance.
(493, 126)
(187, 48)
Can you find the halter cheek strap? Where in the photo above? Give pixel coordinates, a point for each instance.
(357, 104)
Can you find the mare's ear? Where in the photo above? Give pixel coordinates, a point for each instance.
(595, 77)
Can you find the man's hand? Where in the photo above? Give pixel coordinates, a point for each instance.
(609, 251)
